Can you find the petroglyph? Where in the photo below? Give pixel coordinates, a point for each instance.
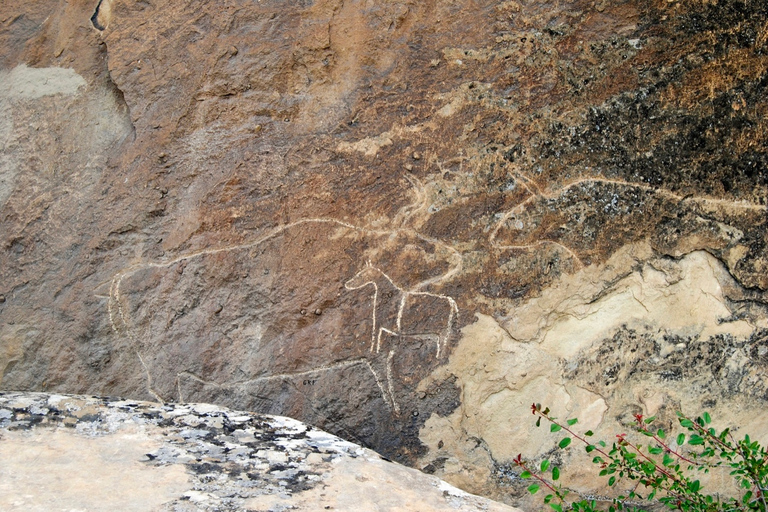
(120, 309)
(708, 204)
(273, 377)
(391, 309)
(402, 301)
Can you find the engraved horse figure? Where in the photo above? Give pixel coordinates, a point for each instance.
(400, 312)
(397, 312)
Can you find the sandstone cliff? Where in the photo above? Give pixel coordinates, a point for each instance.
(400, 221)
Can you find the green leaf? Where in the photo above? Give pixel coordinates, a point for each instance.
(525, 474)
(694, 486)
(548, 498)
(707, 418)
(590, 448)
(555, 473)
(655, 450)
(680, 439)
(648, 467)
(533, 488)
(544, 465)
(611, 481)
(601, 443)
(661, 433)
(572, 421)
(648, 421)
(696, 440)
(555, 427)
(564, 442)
(668, 460)
(597, 460)
(589, 433)
(538, 421)
(556, 507)
(686, 423)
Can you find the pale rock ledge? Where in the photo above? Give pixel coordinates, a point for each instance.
(89, 453)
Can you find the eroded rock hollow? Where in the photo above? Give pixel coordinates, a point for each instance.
(400, 221)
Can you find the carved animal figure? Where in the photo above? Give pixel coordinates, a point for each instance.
(400, 312)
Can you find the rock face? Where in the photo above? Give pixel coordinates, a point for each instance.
(400, 221)
(87, 453)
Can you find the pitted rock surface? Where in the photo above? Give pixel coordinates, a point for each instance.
(402, 221)
(91, 453)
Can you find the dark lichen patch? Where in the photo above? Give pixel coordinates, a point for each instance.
(87, 418)
(299, 481)
(217, 447)
(204, 468)
(26, 421)
(682, 118)
(437, 464)
(720, 367)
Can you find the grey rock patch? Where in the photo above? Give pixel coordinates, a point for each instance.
(99, 453)
(32, 83)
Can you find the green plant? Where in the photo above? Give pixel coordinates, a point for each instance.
(664, 470)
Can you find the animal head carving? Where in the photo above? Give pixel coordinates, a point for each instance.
(367, 275)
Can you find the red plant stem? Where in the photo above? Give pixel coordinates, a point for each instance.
(666, 447)
(661, 470)
(583, 440)
(537, 477)
(574, 434)
(752, 476)
(655, 465)
(702, 430)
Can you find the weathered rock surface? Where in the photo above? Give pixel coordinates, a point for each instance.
(400, 221)
(87, 453)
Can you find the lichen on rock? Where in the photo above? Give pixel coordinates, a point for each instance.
(399, 221)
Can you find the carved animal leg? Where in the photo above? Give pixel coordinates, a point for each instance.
(442, 340)
(390, 382)
(386, 389)
(378, 339)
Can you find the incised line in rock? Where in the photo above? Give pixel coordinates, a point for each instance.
(372, 276)
(276, 376)
(647, 188)
(375, 277)
(115, 299)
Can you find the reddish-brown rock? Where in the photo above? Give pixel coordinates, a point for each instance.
(309, 208)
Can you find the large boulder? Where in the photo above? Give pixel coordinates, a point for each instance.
(88, 453)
